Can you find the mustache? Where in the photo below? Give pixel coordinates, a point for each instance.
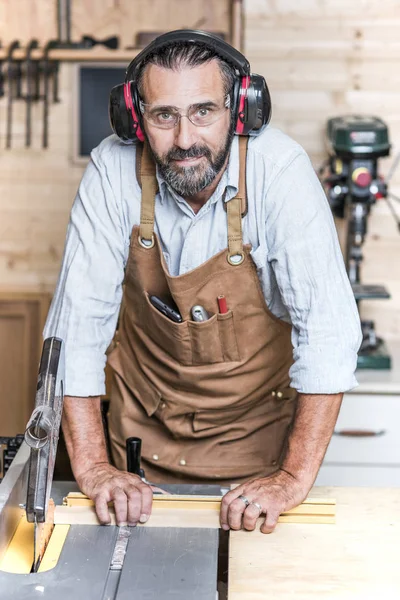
(193, 152)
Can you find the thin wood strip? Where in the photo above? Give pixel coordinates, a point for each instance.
(172, 504)
(178, 517)
(311, 507)
(196, 498)
(308, 519)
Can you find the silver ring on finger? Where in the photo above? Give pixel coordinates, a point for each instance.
(244, 499)
(260, 508)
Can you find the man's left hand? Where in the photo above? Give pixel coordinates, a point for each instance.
(271, 496)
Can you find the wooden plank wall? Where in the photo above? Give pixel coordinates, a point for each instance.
(324, 58)
(320, 57)
(37, 187)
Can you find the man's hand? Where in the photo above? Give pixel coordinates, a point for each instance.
(270, 496)
(307, 443)
(132, 497)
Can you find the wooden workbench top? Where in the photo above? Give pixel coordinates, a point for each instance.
(358, 558)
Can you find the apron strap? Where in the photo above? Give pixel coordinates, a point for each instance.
(146, 177)
(236, 209)
(243, 142)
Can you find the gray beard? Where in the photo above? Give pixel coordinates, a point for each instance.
(189, 181)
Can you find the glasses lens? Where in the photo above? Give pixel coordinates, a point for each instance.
(205, 116)
(162, 119)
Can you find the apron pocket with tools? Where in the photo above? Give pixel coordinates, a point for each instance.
(214, 340)
(173, 338)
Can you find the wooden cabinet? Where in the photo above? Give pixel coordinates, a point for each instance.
(22, 317)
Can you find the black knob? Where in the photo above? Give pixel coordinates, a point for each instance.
(133, 455)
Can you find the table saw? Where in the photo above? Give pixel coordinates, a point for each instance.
(169, 562)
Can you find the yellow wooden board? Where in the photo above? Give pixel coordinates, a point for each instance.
(54, 548)
(19, 555)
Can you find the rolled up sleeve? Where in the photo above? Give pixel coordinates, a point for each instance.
(310, 273)
(86, 302)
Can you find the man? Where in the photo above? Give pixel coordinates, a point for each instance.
(252, 393)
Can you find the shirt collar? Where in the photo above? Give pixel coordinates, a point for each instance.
(228, 186)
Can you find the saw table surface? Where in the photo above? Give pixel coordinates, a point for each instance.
(358, 558)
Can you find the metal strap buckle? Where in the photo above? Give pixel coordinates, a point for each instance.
(235, 259)
(146, 243)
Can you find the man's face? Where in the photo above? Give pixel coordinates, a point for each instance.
(189, 156)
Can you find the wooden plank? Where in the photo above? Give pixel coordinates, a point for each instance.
(356, 559)
(163, 517)
(190, 511)
(93, 54)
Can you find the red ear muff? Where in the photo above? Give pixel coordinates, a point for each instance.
(241, 115)
(130, 106)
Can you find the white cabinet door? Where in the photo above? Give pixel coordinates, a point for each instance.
(367, 431)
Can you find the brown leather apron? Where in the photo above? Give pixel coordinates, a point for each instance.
(210, 400)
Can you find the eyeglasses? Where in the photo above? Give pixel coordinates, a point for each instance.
(168, 117)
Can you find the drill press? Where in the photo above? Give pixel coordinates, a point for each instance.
(353, 185)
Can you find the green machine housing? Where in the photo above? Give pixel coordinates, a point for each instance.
(356, 136)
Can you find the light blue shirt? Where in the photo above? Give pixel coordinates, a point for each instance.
(294, 246)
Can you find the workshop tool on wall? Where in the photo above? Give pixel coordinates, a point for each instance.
(41, 435)
(31, 89)
(12, 75)
(1, 78)
(353, 185)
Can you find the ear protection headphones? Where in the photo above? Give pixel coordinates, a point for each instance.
(251, 98)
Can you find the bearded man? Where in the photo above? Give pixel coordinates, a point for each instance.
(208, 233)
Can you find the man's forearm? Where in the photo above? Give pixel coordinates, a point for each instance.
(84, 433)
(312, 430)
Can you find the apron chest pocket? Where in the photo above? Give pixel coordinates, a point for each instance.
(172, 338)
(214, 341)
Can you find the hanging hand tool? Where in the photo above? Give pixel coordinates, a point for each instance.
(47, 69)
(1, 78)
(41, 435)
(11, 75)
(29, 91)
